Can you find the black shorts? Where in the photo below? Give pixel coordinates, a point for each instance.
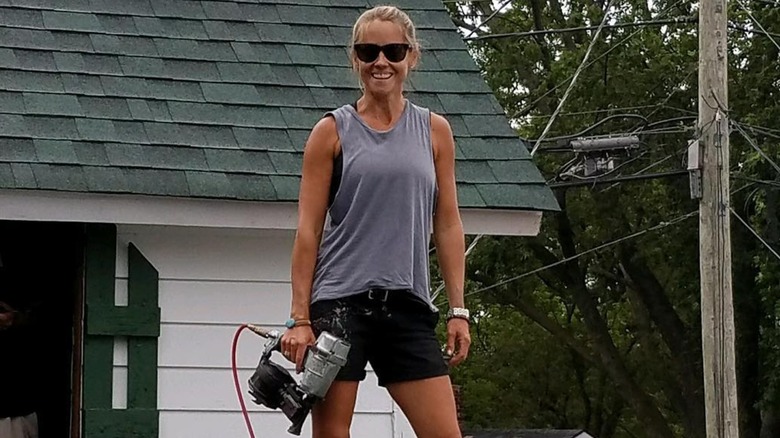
(394, 331)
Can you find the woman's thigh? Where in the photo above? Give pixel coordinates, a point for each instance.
(429, 405)
(332, 416)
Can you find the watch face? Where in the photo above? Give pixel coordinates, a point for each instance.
(290, 323)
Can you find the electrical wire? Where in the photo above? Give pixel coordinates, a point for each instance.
(757, 181)
(611, 243)
(487, 20)
(589, 128)
(756, 147)
(758, 23)
(769, 132)
(588, 251)
(607, 52)
(595, 249)
(233, 349)
(566, 148)
(667, 21)
(767, 245)
(468, 251)
(580, 68)
(669, 97)
(758, 32)
(585, 113)
(673, 119)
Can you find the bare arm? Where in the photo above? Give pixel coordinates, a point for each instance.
(318, 155)
(447, 226)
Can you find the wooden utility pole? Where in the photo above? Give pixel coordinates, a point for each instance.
(717, 310)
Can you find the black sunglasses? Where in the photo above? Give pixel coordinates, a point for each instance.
(395, 52)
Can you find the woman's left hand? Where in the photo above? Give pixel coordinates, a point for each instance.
(458, 340)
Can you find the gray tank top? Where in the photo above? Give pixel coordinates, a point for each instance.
(378, 227)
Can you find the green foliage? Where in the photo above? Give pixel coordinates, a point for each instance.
(522, 375)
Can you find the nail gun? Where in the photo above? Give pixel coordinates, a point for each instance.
(272, 386)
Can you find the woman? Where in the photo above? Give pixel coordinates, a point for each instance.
(378, 180)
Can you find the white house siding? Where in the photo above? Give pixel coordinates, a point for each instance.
(211, 281)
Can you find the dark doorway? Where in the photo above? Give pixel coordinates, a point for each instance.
(41, 283)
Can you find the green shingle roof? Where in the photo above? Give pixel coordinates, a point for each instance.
(215, 99)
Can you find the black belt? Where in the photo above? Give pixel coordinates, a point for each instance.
(385, 295)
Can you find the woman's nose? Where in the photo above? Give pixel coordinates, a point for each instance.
(381, 60)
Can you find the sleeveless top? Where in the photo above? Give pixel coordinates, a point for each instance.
(378, 227)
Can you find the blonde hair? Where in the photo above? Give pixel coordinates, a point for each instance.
(385, 13)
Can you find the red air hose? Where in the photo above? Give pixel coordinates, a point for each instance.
(235, 380)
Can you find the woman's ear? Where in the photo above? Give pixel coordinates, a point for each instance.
(353, 61)
(414, 57)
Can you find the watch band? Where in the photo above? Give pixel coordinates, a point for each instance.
(458, 312)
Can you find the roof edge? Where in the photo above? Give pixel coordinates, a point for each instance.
(56, 206)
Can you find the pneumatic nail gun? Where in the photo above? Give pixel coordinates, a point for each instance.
(272, 385)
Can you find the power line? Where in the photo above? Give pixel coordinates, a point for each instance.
(578, 255)
(487, 20)
(750, 14)
(615, 46)
(599, 111)
(682, 110)
(756, 147)
(659, 131)
(761, 129)
(669, 97)
(580, 68)
(588, 129)
(769, 247)
(757, 181)
(637, 177)
(677, 20)
(759, 32)
(597, 248)
(606, 110)
(468, 251)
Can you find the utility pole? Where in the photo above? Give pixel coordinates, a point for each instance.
(717, 310)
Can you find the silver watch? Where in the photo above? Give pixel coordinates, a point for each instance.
(458, 312)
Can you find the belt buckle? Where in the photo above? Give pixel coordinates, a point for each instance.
(378, 294)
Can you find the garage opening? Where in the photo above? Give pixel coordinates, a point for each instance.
(41, 313)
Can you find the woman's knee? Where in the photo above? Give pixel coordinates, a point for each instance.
(328, 425)
(330, 430)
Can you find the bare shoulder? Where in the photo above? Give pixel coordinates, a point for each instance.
(441, 134)
(440, 124)
(324, 137)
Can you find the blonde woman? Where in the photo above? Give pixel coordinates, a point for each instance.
(378, 181)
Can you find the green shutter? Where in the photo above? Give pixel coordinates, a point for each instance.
(139, 321)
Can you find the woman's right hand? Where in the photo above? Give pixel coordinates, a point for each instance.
(295, 342)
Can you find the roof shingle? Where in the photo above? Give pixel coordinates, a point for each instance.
(217, 98)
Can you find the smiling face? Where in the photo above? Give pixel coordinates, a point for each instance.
(381, 76)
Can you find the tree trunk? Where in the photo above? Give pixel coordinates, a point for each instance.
(747, 316)
(671, 382)
(770, 427)
(684, 350)
(647, 412)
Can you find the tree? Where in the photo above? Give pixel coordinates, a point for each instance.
(625, 319)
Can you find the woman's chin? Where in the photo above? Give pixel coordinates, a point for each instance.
(382, 88)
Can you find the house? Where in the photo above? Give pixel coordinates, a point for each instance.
(527, 433)
(154, 147)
